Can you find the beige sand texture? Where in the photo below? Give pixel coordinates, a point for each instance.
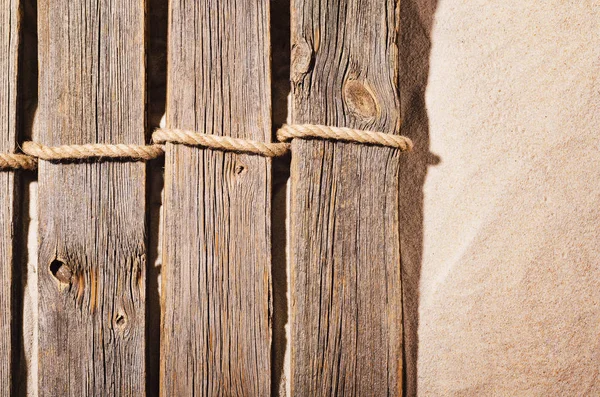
(509, 285)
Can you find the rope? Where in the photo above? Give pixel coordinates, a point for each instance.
(218, 142)
(93, 151)
(33, 150)
(9, 161)
(307, 131)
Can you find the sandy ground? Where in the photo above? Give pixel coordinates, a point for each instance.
(510, 278)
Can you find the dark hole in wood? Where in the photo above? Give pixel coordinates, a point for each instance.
(61, 271)
(120, 319)
(239, 169)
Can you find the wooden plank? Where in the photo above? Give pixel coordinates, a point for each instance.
(92, 253)
(216, 267)
(346, 306)
(9, 45)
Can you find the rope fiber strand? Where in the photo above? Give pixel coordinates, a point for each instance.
(33, 150)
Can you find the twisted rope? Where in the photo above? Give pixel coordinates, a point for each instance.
(94, 151)
(307, 131)
(218, 142)
(10, 161)
(34, 151)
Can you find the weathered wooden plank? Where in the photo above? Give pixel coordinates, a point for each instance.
(216, 267)
(92, 254)
(346, 305)
(9, 45)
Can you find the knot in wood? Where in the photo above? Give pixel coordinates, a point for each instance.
(302, 55)
(360, 100)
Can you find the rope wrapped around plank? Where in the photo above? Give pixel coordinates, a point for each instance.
(102, 152)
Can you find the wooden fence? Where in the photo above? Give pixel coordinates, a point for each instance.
(96, 332)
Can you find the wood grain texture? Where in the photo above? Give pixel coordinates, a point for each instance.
(9, 45)
(216, 276)
(346, 305)
(92, 254)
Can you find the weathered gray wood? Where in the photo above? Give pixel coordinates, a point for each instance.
(9, 44)
(344, 232)
(216, 267)
(92, 258)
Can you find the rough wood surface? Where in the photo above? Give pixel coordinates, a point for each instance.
(346, 305)
(92, 258)
(216, 276)
(9, 43)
